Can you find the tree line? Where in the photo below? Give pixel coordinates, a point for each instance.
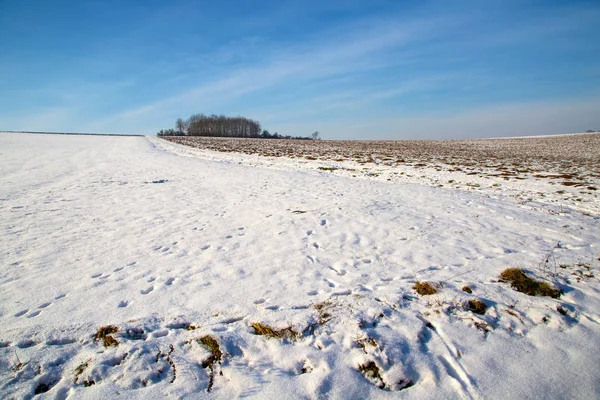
(222, 126)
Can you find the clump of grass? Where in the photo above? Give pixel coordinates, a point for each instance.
(213, 346)
(524, 284)
(266, 330)
(467, 289)
(324, 315)
(371, 370)
(425, 288)
(477, 306)
(105, 333)
(482, 326)
(215, 357)
(80, 369)
(367, 341)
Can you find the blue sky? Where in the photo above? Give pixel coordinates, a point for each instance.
(349, 69)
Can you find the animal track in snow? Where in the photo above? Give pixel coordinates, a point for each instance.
(123, 304)
(323, 222)
(340, 272)
(61, 341)
(330, 283)
(169, 281)
(44, 305)
(20, 313)
(24, 344)
(34, 314)
(148, 290)
(232, 320)
(161, 333)
(346, 292)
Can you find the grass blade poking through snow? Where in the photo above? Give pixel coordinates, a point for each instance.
(216, 355)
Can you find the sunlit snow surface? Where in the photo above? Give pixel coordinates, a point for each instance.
(155, 238)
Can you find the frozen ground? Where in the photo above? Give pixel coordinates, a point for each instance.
(170, 244)
(561, 170)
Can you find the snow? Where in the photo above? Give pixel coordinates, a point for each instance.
(170, 243)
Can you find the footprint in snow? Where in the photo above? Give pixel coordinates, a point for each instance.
(330, 283)
(44, 305)
(61, 341)
(313, 293)
(323, 222)
(34, 314)
(146, 291)
(259, 301)
(310, 232)
(342, 293)
(24, 344)
(161, 333)
(169, 281)
(123, 304)
(20, 313)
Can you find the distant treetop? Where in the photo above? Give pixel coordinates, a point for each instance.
(222, 126)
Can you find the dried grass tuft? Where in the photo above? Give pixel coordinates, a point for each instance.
(425, 288)
(477, 306)
(215, 357)
(524, 284)
(371, 371)
(266, 330)
(105, 333)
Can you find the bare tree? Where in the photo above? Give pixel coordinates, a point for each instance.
(180, 125)
(316, 136)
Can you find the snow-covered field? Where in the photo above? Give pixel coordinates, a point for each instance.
(169, 244)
